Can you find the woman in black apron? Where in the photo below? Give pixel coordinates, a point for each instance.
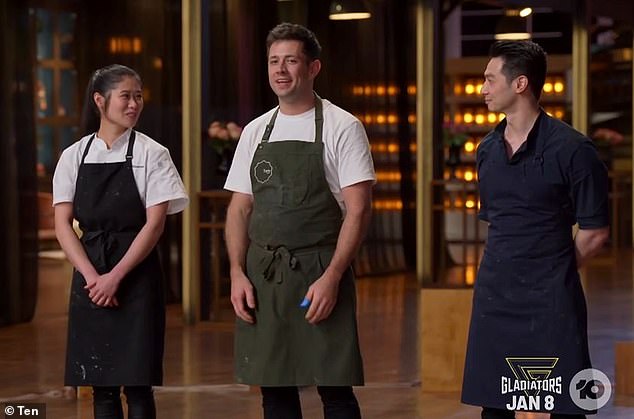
(116, 319)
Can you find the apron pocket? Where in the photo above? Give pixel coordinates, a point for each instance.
(295, 193)
(516, 286)
(296, 178)
(324, 258)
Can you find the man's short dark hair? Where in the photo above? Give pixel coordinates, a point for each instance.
(522, 58)
(295, 32)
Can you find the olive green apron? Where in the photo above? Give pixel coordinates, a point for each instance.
(293, 231)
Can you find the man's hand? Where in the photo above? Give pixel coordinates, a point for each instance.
(242, 297)
(237, 239)
(322, 295)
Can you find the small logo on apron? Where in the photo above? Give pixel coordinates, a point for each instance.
(263, 171)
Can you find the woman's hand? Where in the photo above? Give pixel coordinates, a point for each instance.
(102, 290)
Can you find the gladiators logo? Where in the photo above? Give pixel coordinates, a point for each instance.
(532, 377)
(263, 171)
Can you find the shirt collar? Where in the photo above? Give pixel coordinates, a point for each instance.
(120, 142)
(539, 128)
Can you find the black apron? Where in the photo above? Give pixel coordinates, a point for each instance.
(114, 346)
(293, 230)
(529, 320)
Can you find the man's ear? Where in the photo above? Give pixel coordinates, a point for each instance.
(521, 84)
(313, 68)
(100, 101)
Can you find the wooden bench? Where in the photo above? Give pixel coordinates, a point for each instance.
(445, 314)
(624, 368)
(216, 202)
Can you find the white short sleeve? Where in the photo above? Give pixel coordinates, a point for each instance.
(65, 175)
(163, 182)
(239, 178)
(353, 156)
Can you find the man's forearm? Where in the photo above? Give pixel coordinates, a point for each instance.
(358, 200)
(351, 236)
(236, 234)
(589, 242)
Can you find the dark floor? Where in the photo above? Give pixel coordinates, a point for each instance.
(198, 361)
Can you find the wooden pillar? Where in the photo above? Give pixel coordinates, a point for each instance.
(191, 64)
(624, 367)
(18, 229)
(424, 137)
(580, 51)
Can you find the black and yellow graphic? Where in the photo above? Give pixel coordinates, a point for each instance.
(533, 373)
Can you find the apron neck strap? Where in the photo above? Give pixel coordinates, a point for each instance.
(269, 127)
(83, 157)
(319, 118)
(319, 122)
(128, 153)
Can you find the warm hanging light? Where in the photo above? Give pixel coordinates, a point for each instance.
(348, 10)
(512, 36)
(526, 11)
(511, 26)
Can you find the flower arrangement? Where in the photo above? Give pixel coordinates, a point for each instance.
(224, 131)
(223, 137)
(607, 137)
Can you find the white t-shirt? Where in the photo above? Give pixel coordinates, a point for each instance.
(347, 157)
(154, 172)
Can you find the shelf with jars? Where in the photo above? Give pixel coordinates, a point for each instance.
(466, 121)
(375, 105)
(611, 127)
(611, 99)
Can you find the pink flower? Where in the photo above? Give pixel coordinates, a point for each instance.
(234, 130)
(214, 129)
(224, 131)
(607, 135)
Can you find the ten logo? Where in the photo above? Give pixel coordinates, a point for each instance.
(590, 389)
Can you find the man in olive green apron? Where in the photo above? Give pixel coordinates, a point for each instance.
(289, 244)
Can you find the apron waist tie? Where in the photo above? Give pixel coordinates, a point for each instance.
(99, 243)
(273, 257)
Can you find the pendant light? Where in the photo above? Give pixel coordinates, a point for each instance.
(515, 24)
(349, 10)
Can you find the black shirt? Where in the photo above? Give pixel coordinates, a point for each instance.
(554, 180)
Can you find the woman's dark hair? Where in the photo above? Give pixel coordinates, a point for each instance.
(102, 81)
(522, 58)
(295, 32)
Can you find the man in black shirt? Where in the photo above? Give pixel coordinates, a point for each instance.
(537, 178)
